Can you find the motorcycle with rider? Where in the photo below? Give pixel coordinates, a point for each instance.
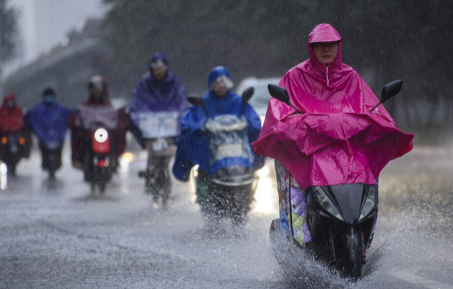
(97, 135)
(330, 139)
(155, 110)
(48, 121)
(215, 141)
(15, 139)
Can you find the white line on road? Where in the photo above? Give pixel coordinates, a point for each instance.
(417, 280)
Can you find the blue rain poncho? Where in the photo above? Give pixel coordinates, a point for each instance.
(193, 146)
(48, 121)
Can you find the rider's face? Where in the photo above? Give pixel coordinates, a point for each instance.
(10, 104)
(159, 73)
(325, 52)
(220, 87)
(96, 93)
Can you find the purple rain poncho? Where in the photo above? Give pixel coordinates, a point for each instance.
(153, 95)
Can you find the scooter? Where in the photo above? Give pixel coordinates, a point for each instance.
(99, 164)
(96, 148)
(158, 130)
(51, 155)
(230, 191)
(340, 218)
(13, 147)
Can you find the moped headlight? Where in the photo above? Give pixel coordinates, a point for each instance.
(370, 202)
(101, 135)
(325, 202)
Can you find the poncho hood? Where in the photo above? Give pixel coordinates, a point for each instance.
(324, 33)
(216, 73)
(335, 140)
(8, 97)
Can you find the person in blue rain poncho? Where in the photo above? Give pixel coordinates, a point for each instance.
(193, 146)
(48, 121)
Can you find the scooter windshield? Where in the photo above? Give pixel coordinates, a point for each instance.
(95, 115)
(157, 124)
(227, 135)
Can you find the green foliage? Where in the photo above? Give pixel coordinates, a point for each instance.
(8, 33)
(248, 37)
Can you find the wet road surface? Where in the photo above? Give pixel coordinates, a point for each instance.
(56, 234)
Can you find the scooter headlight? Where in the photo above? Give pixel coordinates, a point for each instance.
(101, 135)
(370, 202)
(325, 202)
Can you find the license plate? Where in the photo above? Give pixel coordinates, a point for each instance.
(230, 151)
(159, 145)
(14, 149)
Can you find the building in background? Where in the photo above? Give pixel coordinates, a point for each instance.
(44, 23)
(68, 66)
(61, 43)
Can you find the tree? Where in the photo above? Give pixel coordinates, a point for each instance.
(393, 39)
(8, 30)
(248, 37)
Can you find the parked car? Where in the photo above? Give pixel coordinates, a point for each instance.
(260, 99)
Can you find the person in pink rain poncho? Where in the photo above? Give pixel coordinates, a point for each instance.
(335, 140)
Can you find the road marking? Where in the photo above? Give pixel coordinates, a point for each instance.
(417, 280)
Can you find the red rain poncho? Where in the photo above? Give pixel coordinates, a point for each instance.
(11, 119)
(104, 110)
(336, 140)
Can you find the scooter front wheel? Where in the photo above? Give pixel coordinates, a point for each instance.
(51, 173)
(102, 187)
(12, 170)
(354, 255)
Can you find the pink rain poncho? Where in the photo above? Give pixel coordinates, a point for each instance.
(336, 140)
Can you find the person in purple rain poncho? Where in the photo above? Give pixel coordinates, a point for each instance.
(158, 91)
(158, 98)
(334, 140)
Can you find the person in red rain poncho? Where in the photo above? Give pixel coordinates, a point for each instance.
(335, 140)
(12, 120)
(11, 116)
(97, 107)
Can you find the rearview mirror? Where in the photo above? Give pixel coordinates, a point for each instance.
(197, 101)
(247, 94)
(279, 93)
(390, 90)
